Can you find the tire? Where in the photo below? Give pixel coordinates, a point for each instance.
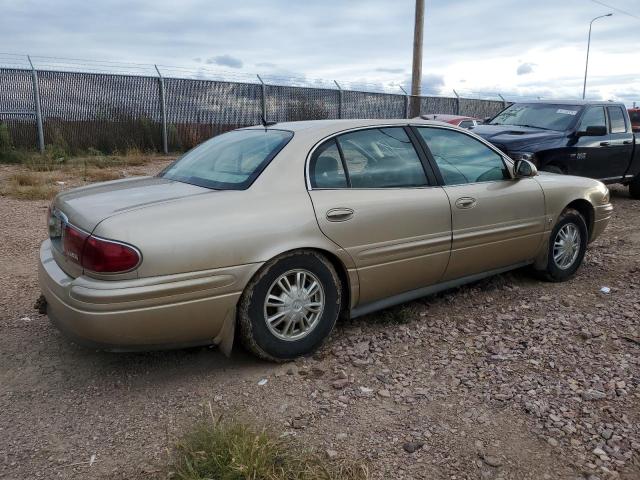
(559, 270)
(634, 188)
(280, 342)
(552, 169)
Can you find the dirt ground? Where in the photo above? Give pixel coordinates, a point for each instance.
(507, 378)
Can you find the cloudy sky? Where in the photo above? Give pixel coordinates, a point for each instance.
(516, 47)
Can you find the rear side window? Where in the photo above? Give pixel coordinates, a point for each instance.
(593, 117)
(231, 161)
(325, 168)
(616, 117)
(381, 158)
(466, 123)
(461, 158)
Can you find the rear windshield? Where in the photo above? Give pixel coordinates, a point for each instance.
(537, 115)
(231, 161)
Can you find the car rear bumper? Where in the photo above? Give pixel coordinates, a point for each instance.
(601, 219)
(141, 314)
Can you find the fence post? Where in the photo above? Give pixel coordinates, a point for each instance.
(457, 102)
(504, 102)
(36, 98)
(264, 99)
(406, 102)
(163, 112)
(340, 99)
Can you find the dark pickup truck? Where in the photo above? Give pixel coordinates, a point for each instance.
(586, 138)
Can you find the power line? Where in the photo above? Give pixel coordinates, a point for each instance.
(619, 10)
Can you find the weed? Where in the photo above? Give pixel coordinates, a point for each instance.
(229, 450)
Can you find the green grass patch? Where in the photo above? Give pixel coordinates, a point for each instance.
(231, 450)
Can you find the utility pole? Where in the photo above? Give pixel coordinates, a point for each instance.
(416, 75)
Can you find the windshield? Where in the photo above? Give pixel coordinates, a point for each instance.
(538, 115)
(231, 161)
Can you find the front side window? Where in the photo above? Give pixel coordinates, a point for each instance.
(593, 117)
(381, 158)
(616, 117)
(231, 161)
(461, 158)
(538, 115)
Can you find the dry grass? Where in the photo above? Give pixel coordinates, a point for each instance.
(229, 450)
(31, 185)
(100, 174)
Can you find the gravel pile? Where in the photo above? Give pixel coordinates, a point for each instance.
(506, 378)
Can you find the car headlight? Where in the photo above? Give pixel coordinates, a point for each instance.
(522, 156)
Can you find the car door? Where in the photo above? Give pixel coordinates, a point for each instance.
(620, 145)
(374, 198)
(592, 152)
(497, 221)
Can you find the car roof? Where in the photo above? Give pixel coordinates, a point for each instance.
(338, 125)
(445, 117)
(572, 102)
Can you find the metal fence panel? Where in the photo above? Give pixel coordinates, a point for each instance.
(480, 108)
(372, 105)
(102, 111)
(115, 112)
(200, 109)
(442, 105)
(287, 104)
(17, 109)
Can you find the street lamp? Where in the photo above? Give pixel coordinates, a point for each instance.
(586, 67)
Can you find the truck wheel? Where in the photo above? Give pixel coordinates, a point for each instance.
(552, 169)
(634, 187)
(290, 307)
(567, 246)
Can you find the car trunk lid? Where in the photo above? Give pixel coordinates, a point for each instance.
(87, 206)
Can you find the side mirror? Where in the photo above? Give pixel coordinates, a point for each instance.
(525, 169)
(486, 120)
(594, 131)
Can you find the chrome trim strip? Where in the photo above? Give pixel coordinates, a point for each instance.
(508, 160)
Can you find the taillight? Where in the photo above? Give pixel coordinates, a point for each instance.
(105, 256)
(73, 242)
(97, 254)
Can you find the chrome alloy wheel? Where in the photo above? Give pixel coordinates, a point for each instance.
(294, 304)
(566, 246)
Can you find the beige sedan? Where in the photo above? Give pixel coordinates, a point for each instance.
(271, 233)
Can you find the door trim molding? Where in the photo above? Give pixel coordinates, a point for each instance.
(430, 290)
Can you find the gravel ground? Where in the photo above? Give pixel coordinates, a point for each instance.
(506, 378)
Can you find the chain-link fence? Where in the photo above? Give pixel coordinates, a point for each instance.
(114, 112)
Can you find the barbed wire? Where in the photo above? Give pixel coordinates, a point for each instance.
(207, 72)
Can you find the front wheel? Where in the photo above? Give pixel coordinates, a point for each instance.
(567, 246)
(290, 307)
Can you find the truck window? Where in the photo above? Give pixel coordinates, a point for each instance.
(593, 117)
(616, 117)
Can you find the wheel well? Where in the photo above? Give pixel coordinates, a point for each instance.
(586, 210)
(341, 270)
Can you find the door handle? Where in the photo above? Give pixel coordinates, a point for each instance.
(627, 142)
(339, 214)
(466, 202)
(604, 144)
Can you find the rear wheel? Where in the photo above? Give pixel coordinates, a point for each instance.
(634, 187)
(567, 246)
(290, 307)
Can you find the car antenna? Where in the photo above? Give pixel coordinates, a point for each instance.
(265, 123)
